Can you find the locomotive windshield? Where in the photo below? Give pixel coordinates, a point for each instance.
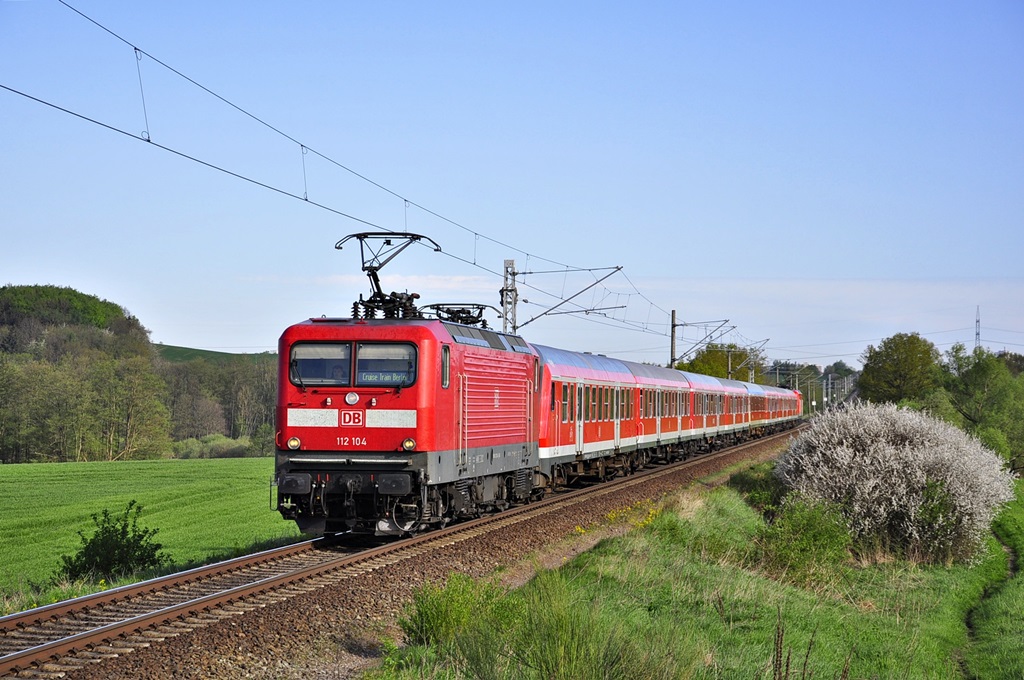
(385, 364)
(322, 364)
(377, 364)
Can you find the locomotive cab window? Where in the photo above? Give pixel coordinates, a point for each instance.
(381, 364)
(321, 364)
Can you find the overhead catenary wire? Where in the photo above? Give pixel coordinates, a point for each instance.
(304, 146)
(306, 149)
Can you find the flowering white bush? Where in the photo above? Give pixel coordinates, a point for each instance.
(904, 480)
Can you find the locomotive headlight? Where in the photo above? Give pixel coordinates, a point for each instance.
(294, 443)
(408, 444)
(351, 398)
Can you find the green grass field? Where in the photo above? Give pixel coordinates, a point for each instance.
(202, 508)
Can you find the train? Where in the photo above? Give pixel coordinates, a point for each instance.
(392, 426)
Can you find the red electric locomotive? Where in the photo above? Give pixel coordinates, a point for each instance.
(388, 426)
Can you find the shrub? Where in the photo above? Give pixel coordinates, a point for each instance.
(211, 446)
(117, 549)
(904, 481)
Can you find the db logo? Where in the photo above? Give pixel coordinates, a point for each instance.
(352, 418)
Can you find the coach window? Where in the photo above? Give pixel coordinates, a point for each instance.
(321, 364)
(380, 364)
(565, 402)
(446, 366)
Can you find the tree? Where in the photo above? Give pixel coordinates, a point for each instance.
(988, 399)
(721, 360)
(255, 394)
(1015, 362)
(904, 366)
(194, 410)
(261, 443)
(130, 415)
(56, 306)
(839, 369)
(13, 411)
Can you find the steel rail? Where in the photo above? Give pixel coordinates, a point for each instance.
(40, 614)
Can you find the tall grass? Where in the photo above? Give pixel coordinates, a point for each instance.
(706, 590)
(548, 630)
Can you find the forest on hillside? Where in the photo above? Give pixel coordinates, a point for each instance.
(80, 381)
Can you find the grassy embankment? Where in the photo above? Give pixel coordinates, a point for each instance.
(998, 623)
(203, 509)
(703, 588)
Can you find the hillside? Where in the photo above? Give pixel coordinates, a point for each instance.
(175, 354)
(80, 381)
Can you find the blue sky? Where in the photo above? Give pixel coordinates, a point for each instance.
(823, 175)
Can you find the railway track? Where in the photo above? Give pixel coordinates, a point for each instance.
(61, 638)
